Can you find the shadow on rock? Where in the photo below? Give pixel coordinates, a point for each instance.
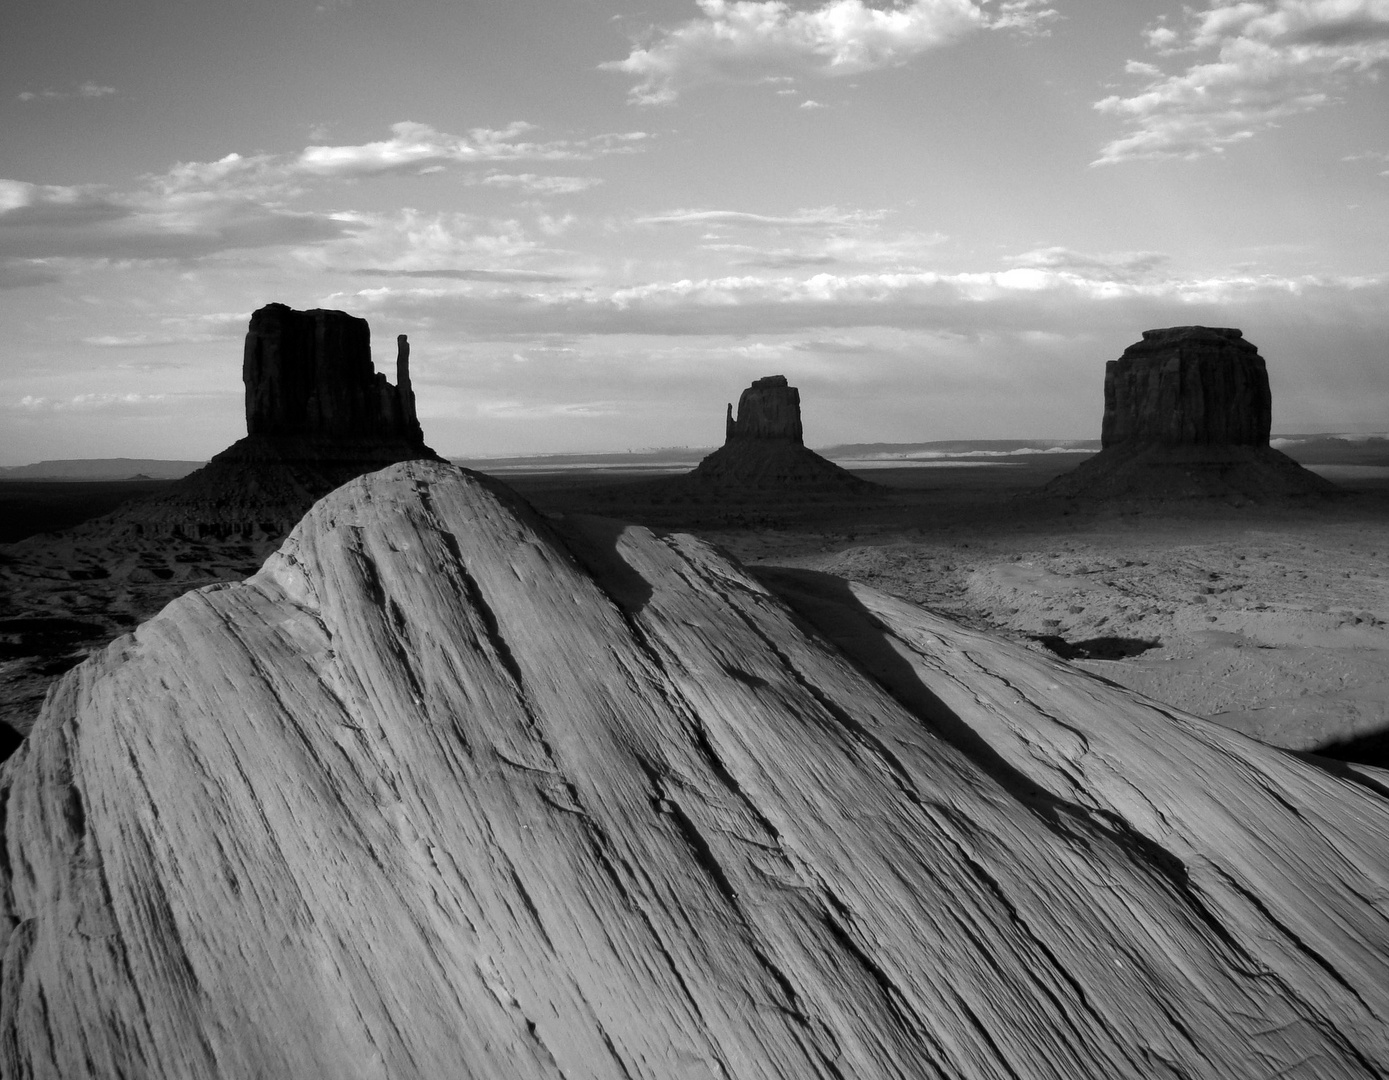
(1100, 648)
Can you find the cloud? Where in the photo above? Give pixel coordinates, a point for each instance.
(809, 104)
(754, 41)
(89, 403)
(45, 221)
(412, 148)
(87, 90)
(22, 274)
(517, 410)
(465, 275)
(532, 184)
(238, 202)
(1272, 60)
(1126, 266)
(828, 216)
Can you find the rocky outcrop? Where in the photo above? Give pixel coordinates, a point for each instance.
(768, 409)
(318, 414)
(764, 453)
(1187, 386)
(309, 375)
(1187, 413)
(443, 792)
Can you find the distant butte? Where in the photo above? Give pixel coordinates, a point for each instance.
(1187, 413)
(764, 449)
(318, 414)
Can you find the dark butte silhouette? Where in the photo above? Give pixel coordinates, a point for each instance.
(1187, 413)
(318, 414)
(764, 451)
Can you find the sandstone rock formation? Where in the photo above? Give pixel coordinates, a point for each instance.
(317, 415)
(308, 374)
(1187, 412)
(764, 452)
(443, 792)
(768, 409)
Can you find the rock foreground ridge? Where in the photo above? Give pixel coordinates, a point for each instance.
(764, 451)
(1187, 412)
(444, 792)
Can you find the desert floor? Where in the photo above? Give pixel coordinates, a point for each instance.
(1270, 619)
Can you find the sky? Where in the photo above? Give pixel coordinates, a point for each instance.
(599, 220)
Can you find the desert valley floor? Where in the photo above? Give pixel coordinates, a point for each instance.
(1270, 619)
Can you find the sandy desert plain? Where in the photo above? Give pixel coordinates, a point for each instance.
(1269, 617)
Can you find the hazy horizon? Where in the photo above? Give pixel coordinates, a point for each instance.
(598, 222)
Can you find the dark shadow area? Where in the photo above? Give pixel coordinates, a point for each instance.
(10, 741)
(829, 609)
(28, 507)
(1371, 749)
(593, 543)
(1100, 648)
(826, 606)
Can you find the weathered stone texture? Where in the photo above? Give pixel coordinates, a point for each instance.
(768, 409)
(1187, 386)
(443, 792)
(309, 374)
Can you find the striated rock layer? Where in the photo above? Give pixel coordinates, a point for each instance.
(441, 792)
(1187, 412)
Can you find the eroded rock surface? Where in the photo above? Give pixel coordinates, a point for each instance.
(441, 792)
(1187, 412)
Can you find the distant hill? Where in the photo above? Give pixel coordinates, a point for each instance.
(101, 469)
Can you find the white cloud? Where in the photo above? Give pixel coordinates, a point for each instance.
(1273, 59)
(752, 40)
(239, 202)
(828, 216)
(809, 104)
(532, 184)
(518, 410)
(87, 90)
(1125, 265)
(43, 221)
(89, 403)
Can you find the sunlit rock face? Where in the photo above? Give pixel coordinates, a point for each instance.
(448, 789)
(1187, 386)
(764, 451)
(1187, 412)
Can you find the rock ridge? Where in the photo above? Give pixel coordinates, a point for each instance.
(443, 791)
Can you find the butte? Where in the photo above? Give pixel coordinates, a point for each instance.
(1187, 413)
(318, 414)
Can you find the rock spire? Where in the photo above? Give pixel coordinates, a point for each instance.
(1187, 413)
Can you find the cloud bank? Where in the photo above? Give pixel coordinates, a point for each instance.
(760, 40)
(1272, 61)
